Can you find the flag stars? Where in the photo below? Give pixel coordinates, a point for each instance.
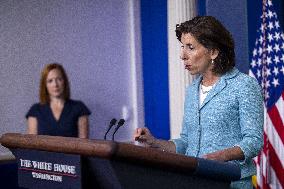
(267, 72)
(266, 95)
(267, 84)
(268, 60)
(276, 48)
(282, 58)
(253, 63)
(276, 24)
(267, 63)
(256, 42)
(261, 40)
(262, 28)
(259, 62)
(276, 59)
(270, 37)
(269, 49)
(270, 25)
(275, 82)
(260, 51)
(254, 52)
(282, 70)
(277, 36)
(270, 14)
(275, 71)
(258, 73)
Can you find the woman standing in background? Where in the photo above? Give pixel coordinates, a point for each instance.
(56, 114)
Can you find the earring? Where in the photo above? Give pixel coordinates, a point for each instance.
(212, 61)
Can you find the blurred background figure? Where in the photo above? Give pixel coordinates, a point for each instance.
(56, 114)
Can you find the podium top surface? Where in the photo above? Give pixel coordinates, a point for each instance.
(97, 148)
(120, 151)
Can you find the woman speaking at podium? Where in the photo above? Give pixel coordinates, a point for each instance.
(223, 110)
(56, 114)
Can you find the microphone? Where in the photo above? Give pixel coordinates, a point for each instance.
(119, 124)
(111, 124)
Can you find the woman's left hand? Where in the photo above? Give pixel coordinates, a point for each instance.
(233, 153)
(218, 156)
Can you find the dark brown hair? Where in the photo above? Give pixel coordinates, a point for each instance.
(43, 93)
(209, 32)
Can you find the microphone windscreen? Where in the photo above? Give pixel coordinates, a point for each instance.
(120, 122)
(113, 121)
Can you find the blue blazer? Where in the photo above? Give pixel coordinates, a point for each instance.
(231, 115)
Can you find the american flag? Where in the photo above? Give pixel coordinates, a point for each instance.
(267, 66)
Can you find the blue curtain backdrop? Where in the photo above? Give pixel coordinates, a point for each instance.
(155, 66)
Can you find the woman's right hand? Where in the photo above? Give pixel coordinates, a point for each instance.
(143, 135)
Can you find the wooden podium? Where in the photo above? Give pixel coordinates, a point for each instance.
(65, 162)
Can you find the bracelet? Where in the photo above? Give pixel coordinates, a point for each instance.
(153, 144)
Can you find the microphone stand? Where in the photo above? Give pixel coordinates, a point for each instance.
(111, 124)
(119, 124)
